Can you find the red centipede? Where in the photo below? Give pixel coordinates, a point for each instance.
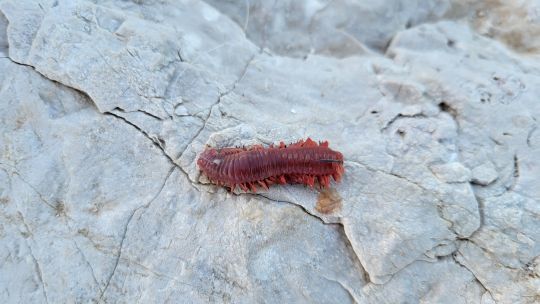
(303, 162)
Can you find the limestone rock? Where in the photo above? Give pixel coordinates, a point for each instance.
(106, 104)
(451, 172)
(484, 174)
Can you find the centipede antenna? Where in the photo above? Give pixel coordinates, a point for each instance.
(331, 161)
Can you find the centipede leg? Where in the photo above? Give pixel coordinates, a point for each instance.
(270, 180)
(310, 181)
(263, 184)
(320, 181)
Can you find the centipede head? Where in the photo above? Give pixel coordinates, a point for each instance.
(207, 159)
(210, 159)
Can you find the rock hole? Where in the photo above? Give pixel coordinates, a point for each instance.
(162, 142)
(408, 24)
(445, 107)
(328, 201)
(516, 166)
(485, 97)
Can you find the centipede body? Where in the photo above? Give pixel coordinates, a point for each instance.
(304, 162)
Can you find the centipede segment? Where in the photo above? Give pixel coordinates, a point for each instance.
(303, 162)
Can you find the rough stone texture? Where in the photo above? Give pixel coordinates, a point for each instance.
(484, 174)
(106, 104)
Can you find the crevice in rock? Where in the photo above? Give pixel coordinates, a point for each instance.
(530, 134)
(418, 259)
(40, 273)
(118, 255)
(387, 173)
(515, 174)
(34, 259)
(205, 121)
(481, 212)
(496, 141)
(156, 143)
(340, 226)
(440, 203)
(386, 48)
(401, 116)
(346, 288)
(484, 250)
(473, 274)
(454, 113)
(119, 109)
(512, 180)
(162, 275)
(92, 272)
(348, 243)
(291, 203)
(15, 171)
(218, 101)
(492, 256)
(242, 74)
(55, 81)
(55, 209)
(447, 108)
(125, 231)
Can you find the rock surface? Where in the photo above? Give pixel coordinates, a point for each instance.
(106, 104)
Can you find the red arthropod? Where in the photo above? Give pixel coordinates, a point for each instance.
(303, 162)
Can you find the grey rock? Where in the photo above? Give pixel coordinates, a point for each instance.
(411, 284)
(497, 115)
(73, 177)
(335, 28)
(4, 45)
(451, 172)
(515, 24)
(484, 174)
(105, 106)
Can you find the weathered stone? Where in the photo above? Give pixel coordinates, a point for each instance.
(451, 172)
(105, 106)
(484, 174)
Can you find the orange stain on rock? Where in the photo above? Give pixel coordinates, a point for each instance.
(328, 201)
